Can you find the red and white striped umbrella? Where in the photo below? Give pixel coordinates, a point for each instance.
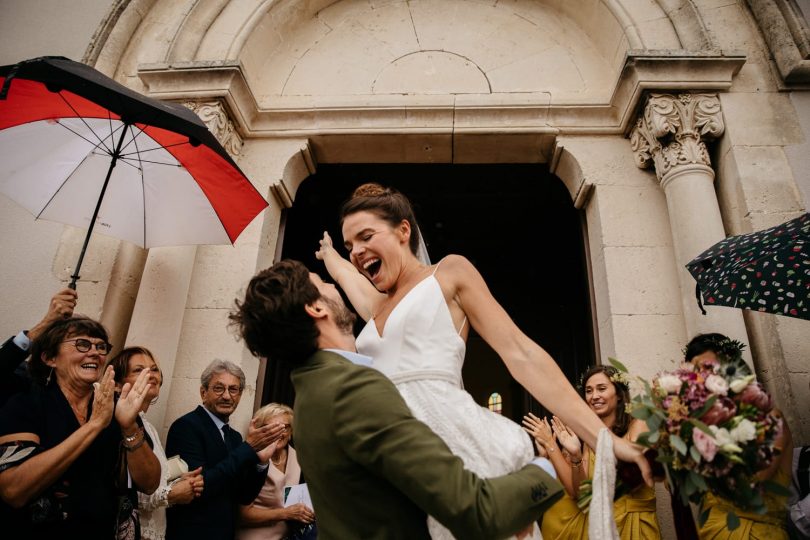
(80, 149)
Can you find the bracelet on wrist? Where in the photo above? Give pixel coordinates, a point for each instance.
(134, 441)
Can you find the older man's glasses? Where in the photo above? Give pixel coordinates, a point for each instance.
(219, 389)
(84, 345)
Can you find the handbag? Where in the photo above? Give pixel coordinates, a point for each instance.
(127, 518)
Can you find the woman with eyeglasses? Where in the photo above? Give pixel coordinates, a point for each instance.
(266, 518)
(61, 472)
(128, 365)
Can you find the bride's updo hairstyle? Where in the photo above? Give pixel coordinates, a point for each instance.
(386, 203)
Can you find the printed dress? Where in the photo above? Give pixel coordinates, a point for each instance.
(421, 352)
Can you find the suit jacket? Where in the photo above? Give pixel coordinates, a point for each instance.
(13, 376)
(231, 478)
(374, 471)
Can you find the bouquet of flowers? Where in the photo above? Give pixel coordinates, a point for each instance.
(712, 430)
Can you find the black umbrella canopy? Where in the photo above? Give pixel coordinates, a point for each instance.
(766, 270)
(59, 73)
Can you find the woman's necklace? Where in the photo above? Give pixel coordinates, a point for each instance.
(280, 459)
(82, 418)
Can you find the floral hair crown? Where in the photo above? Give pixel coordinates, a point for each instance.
(726, 349)
(615, 376)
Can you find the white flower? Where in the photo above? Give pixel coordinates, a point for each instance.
(670, 383)
(738, 385)
(722, 436)
(744, 431)
(717, 385)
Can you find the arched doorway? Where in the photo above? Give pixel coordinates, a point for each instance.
(516, 223)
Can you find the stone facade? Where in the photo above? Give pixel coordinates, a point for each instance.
(671, 123)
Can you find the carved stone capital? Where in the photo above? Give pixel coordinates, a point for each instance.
(215, 116)
(673, 130)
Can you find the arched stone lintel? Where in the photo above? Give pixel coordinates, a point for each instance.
(568, 169)
(298, 168)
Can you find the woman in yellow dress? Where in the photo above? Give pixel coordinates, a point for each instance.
(705, 348)
(607, 394)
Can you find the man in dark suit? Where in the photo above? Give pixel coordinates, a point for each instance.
(373, 470)
(13, 375)
(233, 469)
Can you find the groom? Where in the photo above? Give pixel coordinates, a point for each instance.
(373, 470)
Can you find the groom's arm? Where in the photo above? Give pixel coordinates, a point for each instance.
(376, 429)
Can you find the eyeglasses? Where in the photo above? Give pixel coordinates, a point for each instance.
(220, 389)
(84, 345)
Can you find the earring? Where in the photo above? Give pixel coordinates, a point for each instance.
(48, 378)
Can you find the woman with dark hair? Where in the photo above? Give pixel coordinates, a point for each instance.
(606, 392)
(128, 366)
(718, 350)
(61, 474)
(418, 318)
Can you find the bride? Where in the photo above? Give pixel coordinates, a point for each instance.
(418, 318)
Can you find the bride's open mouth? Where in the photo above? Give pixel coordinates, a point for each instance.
(372, 267)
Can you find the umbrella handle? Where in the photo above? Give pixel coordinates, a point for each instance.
(699, 299)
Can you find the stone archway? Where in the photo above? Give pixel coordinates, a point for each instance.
(286, 75)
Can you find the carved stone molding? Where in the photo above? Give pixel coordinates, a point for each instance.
(215, 116)
(673, 130)
(788, 37)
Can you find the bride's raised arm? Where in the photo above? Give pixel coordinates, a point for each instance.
(361, 293)
(526, 361)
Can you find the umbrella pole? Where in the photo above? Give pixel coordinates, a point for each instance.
(115, 155)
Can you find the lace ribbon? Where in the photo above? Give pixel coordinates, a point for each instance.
(601, 524)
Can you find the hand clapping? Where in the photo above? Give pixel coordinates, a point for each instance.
(540, 430)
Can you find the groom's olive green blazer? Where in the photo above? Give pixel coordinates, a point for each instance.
(374, 471)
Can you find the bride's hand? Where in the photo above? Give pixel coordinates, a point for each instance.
(633, 453)
(325, 247)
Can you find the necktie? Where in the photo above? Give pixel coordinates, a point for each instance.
(229, 434)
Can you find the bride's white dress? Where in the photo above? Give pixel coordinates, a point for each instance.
(421, 352)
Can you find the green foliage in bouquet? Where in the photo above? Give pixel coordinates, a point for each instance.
(712, 430)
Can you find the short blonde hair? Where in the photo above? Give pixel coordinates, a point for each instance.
(270, 410)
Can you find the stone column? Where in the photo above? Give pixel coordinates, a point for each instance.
(671, 136)
(160, 307)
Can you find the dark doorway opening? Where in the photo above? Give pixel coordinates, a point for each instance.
(518, 226)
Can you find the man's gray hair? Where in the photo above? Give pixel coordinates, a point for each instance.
(222, 366)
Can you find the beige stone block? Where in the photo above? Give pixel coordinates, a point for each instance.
(633, 216)
(205, 337)
(760, 119)
(795, 347)
(219, 273)
(553, 70)
(431, 72)
(731, 27)
(642, 281)
(730, 195)
(766, 179)
(756, 75)
(602, 27)
(607, 160)
(659, 34)
(641, 11)
(647, 344)
(271, 71)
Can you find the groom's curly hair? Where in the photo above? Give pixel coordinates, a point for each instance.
(272, 319)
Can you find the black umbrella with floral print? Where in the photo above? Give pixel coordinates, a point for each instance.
(766, 270)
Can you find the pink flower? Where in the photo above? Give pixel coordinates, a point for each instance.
(705, 444)
(753, 394)
(721, 410)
